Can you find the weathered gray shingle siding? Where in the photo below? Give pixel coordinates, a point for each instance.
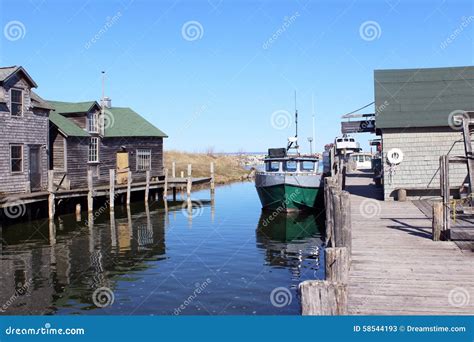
(29, 129)
(421, 149)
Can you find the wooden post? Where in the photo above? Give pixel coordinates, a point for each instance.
(182, 174)
(445, 193)
(212, 178)
(51, 197)
(401, 195)
(437, 220)
(173, 170)
(165, 189)
(189, 181)
(329, 215)
(129, 187)
(323, 298)
(337, 219)
(147, 186)
(174, 193)
(90, 193)
(346, 222)
(78, 212)
(337, 264)
(112, 189)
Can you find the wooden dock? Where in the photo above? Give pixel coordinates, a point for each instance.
(396, 268)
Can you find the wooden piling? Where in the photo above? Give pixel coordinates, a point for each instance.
(165, 188)
(401, 195)
(90, 193)
(112, 189)
(337, 219)
(129, 187)
(173, 170)
(189, 182)
(78, 212)
(147, 186)
(51, 197)
(323, 298)
(212, 177)
(437, 220)
(346, 225)
(337, 264)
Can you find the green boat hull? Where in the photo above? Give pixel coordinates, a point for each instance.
(287, 197)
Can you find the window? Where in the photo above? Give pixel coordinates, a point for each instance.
(94, 150)
(143, 160)
(290, 166)
(307, 165)
(93, 123)
(16, 158)
(16, 102)
(273, 166)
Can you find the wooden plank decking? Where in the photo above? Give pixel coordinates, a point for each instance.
(396, 268)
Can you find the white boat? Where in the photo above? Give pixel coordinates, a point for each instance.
(361, 160)
(346, 144)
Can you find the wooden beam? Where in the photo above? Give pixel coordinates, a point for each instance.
(337, 264)
(129, 187)
(437, 220)
(212, 177)
(165, 187)
(147, 186)
(112, 189)
(90, 192)
(189, 182)
(323, 298)
(51, 197)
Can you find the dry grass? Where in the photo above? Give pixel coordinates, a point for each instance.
(227, 169)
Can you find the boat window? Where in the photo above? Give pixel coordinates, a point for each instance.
(368, 158)
(361, 159)
(290, 166)
(273, 166)
(354, 158)
(307, 165)
(352, 140)
(339, 140)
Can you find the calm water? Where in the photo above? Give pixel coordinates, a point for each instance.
(222, 258)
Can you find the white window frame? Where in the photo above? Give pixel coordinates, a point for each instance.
(22, 158)
(142, 163)
(89, 150)
(21, 103)
(93, 123)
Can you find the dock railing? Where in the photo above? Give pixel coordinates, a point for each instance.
(329, 296)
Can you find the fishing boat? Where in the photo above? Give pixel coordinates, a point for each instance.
(290, 181)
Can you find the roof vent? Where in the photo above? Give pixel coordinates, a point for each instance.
(107, 102)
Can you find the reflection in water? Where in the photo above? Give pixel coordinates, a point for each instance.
(43, 269)
(55, 267)
(291, 240)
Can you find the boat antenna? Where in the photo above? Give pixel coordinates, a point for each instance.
(313, 143)
(296, 119)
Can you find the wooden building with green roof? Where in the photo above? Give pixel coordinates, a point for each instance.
(98, 137)
(416, 119)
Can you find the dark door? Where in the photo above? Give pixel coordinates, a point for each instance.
(35, 168)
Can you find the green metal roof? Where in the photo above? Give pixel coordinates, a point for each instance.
(73, 107)
(125, 122)
(421, 97)
(119, 121)
(66, 126)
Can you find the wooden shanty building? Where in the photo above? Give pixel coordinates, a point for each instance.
(98, 137)
(417, 113)
(23, 133)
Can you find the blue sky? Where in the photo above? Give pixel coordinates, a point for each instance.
(220, 83)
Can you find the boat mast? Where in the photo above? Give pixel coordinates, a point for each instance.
(313, 143)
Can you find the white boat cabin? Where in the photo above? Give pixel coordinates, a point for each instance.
(293, 165)
(346, 143)
(362, 160)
